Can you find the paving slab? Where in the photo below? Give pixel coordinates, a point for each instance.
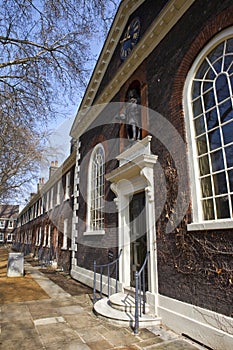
(65, 322)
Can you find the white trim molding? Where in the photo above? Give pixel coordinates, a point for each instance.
(210, 328)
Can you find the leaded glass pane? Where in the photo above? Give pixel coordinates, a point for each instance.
(202, 70)
(222, 88)
(216, 53)
(196, 88)
(218, 65)
(201, 145)
(208, 209)
(212, 119)
(206, 85)
(214, 139)
(210, 74)
(197, 107)
(225, 111)
(212, 110)
(229, 46)
(230, 178)
(220, 184)
(209, 100)
(204, 165)
(199, 125)
(227, 62)
(217, 160)
(227, 131)
(229, 156)
(222, 207)
(206, 186)
(231, 80)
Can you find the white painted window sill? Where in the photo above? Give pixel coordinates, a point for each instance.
(63, 248)
(94, 233)
(210, 225)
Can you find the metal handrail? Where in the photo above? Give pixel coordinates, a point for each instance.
(140, 293)
(101, 267)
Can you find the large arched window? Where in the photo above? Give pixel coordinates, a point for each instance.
(95, 211)
(209, 111)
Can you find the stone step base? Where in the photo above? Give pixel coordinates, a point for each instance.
(124, 302)
(103, 309)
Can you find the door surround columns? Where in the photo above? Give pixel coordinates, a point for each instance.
(134, 174)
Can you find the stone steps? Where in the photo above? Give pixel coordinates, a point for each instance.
(124, 302)
(112, 310)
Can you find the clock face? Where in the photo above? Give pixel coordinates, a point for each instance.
(130, 38)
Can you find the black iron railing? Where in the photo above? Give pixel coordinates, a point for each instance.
(104, 269)
(140, 293)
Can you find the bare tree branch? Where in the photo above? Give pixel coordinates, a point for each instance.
(45, 57)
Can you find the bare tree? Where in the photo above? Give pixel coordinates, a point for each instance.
(46, 59)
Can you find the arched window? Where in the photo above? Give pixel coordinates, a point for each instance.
(96, 171)
(209, 111)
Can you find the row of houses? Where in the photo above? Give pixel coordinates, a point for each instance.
(44, 225)
(151, 171)
(8, 219)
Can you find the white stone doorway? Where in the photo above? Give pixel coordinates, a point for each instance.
(133, 179)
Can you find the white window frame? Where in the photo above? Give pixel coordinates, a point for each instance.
(92, 190)
(51, 198)
(1, 237)
(40, 236)
(37, 236)
(58, 196)
(49, 236)
(198, 222)
(10, 223)
(65, 234)
(42, 206)
(46, 202)
(11, 237)
(67, 186)
(45, 236)
(2, 223)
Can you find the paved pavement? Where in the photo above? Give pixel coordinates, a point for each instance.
(67, 322)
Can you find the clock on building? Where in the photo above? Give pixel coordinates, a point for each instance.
(130, 38)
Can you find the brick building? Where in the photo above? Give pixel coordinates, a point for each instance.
(170, 192)
(44, 224)
(152, 175)
(8, 217)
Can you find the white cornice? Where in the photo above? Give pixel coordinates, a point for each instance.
(162, 24)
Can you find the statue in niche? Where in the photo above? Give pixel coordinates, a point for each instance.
(132, 116)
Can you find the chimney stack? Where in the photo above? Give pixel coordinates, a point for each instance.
(40, 184)
(53, 167)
